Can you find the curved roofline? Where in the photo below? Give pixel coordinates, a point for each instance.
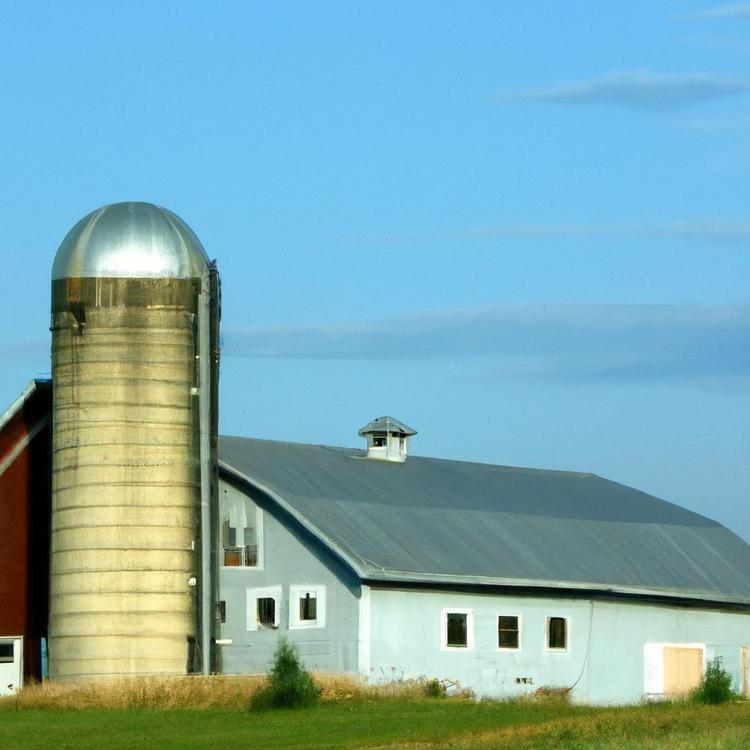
(372, 572)
(351, 560)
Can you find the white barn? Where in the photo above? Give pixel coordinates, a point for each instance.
(504, 579)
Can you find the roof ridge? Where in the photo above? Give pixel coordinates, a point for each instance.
(359, 452)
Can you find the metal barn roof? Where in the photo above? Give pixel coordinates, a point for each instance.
(452, 522)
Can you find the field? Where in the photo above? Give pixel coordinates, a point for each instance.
(198, 713)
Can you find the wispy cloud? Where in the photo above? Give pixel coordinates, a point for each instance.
(569, 342)
(23, 351)
(640, 90)
(725, 43)
(712, 124)
(733, 10)
(584, 342)
(725, 230)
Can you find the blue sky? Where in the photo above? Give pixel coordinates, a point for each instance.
(521, 228)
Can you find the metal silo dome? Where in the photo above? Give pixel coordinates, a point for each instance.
(133, 239)
(134, 371)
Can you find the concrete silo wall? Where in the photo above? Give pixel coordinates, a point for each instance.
(126, 476)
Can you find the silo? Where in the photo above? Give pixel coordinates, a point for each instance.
(134, 368)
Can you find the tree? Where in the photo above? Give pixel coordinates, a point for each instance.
(289, 684)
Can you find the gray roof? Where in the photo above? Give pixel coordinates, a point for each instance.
(386, 424)
(452, 522)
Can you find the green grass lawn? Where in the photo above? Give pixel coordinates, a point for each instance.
(396, 723)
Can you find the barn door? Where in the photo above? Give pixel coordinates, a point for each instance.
(11, 665)
(683, 670)
(745, 670)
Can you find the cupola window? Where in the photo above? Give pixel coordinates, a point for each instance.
(387, 439)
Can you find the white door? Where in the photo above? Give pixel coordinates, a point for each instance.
(11, 665)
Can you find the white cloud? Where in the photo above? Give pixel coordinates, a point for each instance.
(725, 230)
(24, 351)
(584, 342)
(639, 90)
(734, 10)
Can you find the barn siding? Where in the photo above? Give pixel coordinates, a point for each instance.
(604, 662)
(289, 558)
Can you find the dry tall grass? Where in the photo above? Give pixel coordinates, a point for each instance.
(192, 692)
(195, 692)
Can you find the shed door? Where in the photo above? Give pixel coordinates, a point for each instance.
(683, 670)
(11, 656)
(745, 670)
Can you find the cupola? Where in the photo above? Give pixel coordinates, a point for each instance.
(387, 439)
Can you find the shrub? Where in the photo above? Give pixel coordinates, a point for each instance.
(716, 685)
(433, 688)
(289, 684)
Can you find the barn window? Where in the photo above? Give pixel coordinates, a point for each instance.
(222, 607)
(508, 630)
(307, 606)
(266, 611)
(6, 652)
(458, 634)
(308, 609)
(557, 633)
(263, 608)
(457, 626)
(241, 530)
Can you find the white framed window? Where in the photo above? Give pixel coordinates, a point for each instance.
(241, 526)
(7, 652)
(509, 632)
(557, 634)
(456, 629)
(307, 606)
(264, 608)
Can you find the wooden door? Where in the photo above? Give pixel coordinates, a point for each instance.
(683, 670)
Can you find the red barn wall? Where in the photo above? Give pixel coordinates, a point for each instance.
(25, 490)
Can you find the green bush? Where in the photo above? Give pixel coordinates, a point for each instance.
(716, 685)
(289, 684)
(433, 689)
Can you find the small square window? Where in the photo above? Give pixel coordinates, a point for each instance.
(557, 633)
(6, 652)
(457, 629)
(263, 608)
(266, 611)
(507, 631)
(308, 607)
